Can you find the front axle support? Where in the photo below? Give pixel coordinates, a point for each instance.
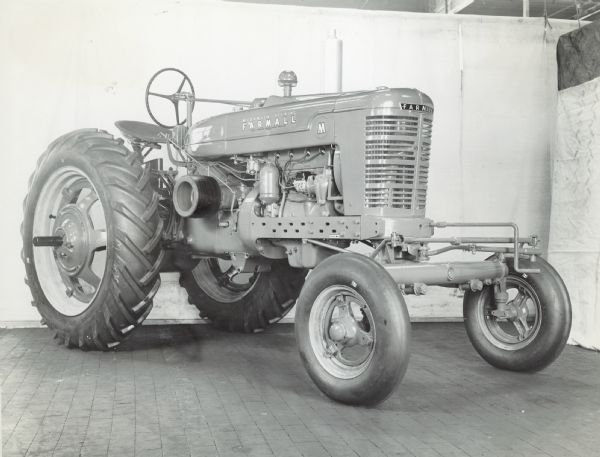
(446, 274)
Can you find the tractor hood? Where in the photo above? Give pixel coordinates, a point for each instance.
(278, 123)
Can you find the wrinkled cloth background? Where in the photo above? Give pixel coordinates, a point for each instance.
(574, 247)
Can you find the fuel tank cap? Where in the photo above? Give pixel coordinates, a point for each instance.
(287, 80)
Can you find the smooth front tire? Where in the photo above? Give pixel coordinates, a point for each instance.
(539, 331)
(353, 330)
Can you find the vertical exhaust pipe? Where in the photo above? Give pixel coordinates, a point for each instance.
(333, 63)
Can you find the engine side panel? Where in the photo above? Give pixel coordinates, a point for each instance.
(373, 145)
(281, 127)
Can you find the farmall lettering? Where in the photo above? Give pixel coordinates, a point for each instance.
(415, 107)
(268, 122)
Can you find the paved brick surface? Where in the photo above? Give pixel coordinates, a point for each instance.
(192, 391)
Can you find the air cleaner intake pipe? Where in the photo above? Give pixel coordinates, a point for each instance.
(196, 196)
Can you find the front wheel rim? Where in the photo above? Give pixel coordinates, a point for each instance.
(69, 206)
(341, 356)
(520, 331)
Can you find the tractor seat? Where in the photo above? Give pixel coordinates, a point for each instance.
(143, 132)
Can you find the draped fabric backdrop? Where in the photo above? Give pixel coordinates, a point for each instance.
(575, 222)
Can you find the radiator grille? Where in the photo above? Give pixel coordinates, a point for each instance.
(397, 152)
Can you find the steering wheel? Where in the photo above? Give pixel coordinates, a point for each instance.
(174, 97)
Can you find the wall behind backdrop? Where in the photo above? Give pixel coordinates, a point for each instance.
(70, 64)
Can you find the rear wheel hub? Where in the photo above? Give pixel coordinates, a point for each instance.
(74, 227)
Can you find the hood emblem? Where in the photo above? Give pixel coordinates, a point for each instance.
(268, 122)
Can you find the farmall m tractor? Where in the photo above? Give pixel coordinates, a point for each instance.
(264, 207)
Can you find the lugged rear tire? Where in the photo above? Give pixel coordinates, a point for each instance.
(248, 309)
(100, 312)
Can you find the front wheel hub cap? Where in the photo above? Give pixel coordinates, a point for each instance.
(337, 332)
(344, 330)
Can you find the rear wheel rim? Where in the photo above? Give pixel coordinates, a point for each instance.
(343, 360)
(517, 333)
(214, 278)
(70, 275)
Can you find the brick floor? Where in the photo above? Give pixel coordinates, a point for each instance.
(192, 391)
